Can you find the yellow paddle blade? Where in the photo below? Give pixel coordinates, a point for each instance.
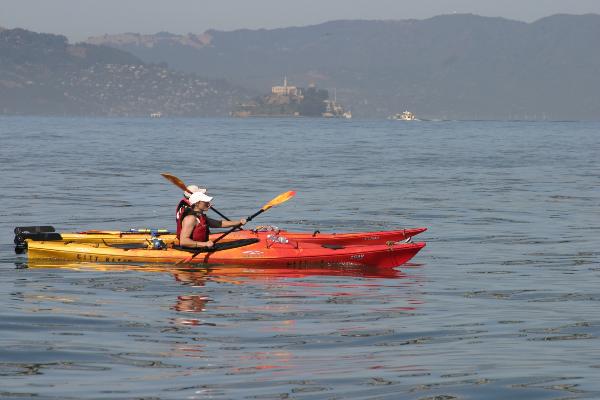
(282, 198)
(175, 181)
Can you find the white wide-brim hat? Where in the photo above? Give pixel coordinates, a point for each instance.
(199, 196)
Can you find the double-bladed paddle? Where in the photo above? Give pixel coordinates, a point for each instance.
(179, 183)
(282, 198)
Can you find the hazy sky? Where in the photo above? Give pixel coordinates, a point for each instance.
(78, 19)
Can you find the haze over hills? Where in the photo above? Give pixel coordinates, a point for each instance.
(44, 74)
(447, 67)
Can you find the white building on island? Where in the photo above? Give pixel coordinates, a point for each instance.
(285, 90)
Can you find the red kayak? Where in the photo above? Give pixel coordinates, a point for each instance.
(47, 233)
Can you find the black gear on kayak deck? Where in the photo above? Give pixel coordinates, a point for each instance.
(23, 233)
(34, 229)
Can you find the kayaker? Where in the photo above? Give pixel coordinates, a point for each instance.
(193, 226)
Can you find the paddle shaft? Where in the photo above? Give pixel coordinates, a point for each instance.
(217, 211)
(282, 198)
(238, 226)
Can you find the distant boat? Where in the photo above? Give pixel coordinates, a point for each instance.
(335, 110)
(156, 115)
(405, 116)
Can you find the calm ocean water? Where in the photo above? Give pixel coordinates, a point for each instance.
(503, 303)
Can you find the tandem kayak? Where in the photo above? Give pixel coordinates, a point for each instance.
(48, 233)
(255, 252)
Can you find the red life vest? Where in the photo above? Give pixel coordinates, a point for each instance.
(201, 230)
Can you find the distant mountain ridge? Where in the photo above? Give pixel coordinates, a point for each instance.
(44, 74)
(20, 46)
(459, 66)
(136, 39)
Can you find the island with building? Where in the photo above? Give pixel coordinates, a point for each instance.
(292, 101)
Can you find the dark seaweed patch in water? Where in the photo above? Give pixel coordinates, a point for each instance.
(16, 369)
(576, 331)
